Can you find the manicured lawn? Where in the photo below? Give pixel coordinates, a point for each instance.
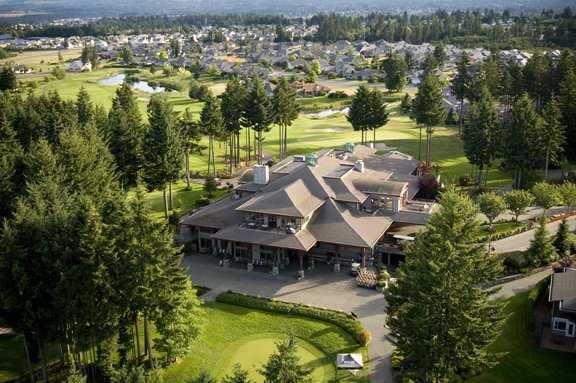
(238, 335)
(42, 60)
(183, 199)
(521, 360)
(501, 227)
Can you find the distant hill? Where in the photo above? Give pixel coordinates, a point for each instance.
(67, 8)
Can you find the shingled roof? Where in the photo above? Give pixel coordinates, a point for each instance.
(294, 200)
(563, 289)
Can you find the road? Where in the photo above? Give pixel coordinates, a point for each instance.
(521, 242)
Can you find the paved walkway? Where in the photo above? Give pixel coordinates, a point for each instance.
(321, 288)
(521, 242)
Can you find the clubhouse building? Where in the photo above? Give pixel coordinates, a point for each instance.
(334, 206)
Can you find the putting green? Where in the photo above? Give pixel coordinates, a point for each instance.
(251, 352)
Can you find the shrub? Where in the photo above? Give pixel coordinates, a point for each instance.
(337, 95)
(345, 321)
(464, 181)
(516, 262)
(202, 202)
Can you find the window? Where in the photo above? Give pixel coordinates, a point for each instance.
(560, 325)
(272, 221)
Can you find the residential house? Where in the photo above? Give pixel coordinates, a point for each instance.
(311, 89)
(563, 299)
(78, 66)
(334, 206)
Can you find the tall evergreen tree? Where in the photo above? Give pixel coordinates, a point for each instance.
(378, 113)
(460, 84)
(258, 113)
(552, 135)
(7, 79)
(395, 71)
(233, 100)
(10, 158)
(564, 240)
(84, 107)
(211, 122)
(163, 150)
(428, 110)
(567, 99)
(285, 110)
(522, 149)
(191, 133)
(126, 135)
(481, 134)
(541, 251)
(239, 375)
(440, 319)
(359, 113)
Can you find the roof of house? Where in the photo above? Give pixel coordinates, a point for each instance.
(326, 195)
(294, 200)
(336, 224)
(563, 289)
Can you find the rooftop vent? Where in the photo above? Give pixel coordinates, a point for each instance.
(311, 160)
(349, 147)
(359, 166)
(261, 174)
(299, 158)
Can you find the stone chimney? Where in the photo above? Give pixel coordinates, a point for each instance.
(261, 174)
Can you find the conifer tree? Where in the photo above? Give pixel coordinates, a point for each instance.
(162, 149)
(481, 134)
(428, 109)
(233, 100)
(406, 104)
(84, 107)
(440, 319)
(378, 113)
(285, 111)
(541, 251)
(567, 100)
(284, 366)
(191, 134)
(359, 113)
(211, 122)
(552, 135)
(258, 113)
(10, 159)
(395, 71)
(564, 240)
(522, 150)
(126, 135)
(238, 375)
(7, 79)
(460, 84)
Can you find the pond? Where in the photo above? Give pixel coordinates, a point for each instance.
(142, 86)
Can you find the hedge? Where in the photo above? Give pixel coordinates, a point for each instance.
(345, 321)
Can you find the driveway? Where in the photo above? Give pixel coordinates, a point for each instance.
(521, 242)
(321, 288)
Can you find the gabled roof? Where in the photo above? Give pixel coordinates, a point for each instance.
(217, 215)
(294, 200)
(563, 289)
(335, 224)
(303, 240)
